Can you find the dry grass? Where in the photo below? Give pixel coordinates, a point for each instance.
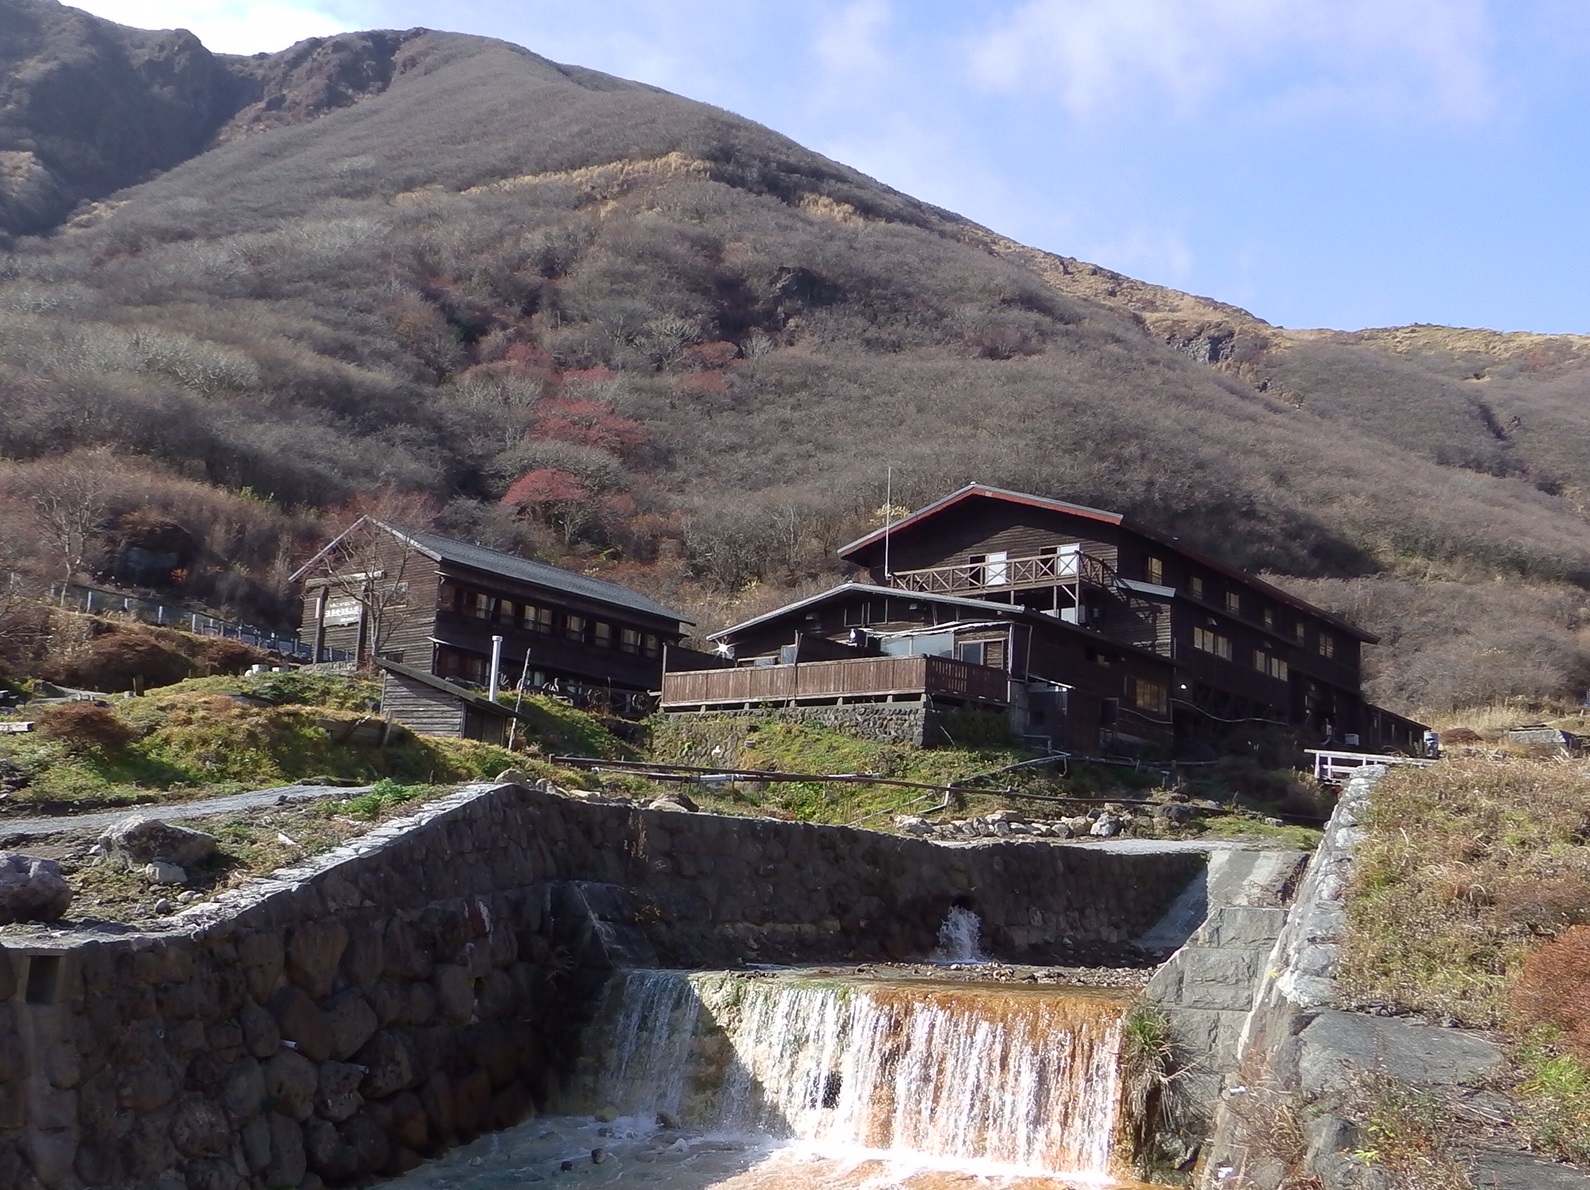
(1466, 868)
(1491, 720)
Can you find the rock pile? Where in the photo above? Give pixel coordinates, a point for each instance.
(31, 889)
(1099, 822)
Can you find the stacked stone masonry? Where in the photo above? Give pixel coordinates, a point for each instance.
(424, 983)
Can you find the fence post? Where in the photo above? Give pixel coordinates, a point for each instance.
(90, 604)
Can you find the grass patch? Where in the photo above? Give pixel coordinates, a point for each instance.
(384, 796)
(1470, 892)
(221, 735)
(1465, 868)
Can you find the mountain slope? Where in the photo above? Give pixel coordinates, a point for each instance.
(689, 347)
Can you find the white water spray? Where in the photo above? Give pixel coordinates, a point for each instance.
(993, 1080)
(960, 938)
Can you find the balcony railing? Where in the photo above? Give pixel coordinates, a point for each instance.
(857, 678)
(1007, 574)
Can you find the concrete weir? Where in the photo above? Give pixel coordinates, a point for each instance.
(421, 984)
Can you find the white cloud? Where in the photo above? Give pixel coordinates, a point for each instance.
(851, 44)
(1391, 57)
(235, 26)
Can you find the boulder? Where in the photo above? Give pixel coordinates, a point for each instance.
(140, 839)
(908, 824)
(161, 871)
(674, 799)
(31, 889)
(1107, 827)
(512, 777)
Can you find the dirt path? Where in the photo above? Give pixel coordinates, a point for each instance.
(12, 829)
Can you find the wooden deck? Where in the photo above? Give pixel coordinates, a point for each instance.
(857, 679)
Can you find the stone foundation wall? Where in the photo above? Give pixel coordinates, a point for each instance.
(420, 984)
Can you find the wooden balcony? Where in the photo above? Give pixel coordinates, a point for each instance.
(861, 679)
(1008, 574)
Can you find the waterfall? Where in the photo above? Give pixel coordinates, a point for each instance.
(991, 1077)
(960, 938)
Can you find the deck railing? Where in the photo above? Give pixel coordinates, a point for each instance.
(861, 677)
(1338, 766)
(1007, 574)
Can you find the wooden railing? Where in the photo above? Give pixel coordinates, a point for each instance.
(1338, 766)
(861, 677)
(1043, 570)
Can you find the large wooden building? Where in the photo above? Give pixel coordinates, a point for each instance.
(426, 609)
(1141, 637)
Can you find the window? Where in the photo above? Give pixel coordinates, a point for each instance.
(1327, 645)
(542, 619)
(1269, 617)
(1234, 602)
(1273, 666)
(1156, 571)
(602, 634)
(1209, 641)
(1300, 631)
(1196, 586)
(650, 645)
(398, 596)
(629, 640)
(507, 611)
(479, 604)
(1149, 696)
(574, 627)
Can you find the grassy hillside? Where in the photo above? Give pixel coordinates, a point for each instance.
(557, 312)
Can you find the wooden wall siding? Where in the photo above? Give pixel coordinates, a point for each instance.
(505, 588)
(987, 526)
(550, 652)
(403, 628)
(870, 677)
(835, 619)
(420, 708)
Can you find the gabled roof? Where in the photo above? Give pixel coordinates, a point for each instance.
(980, 608)
(468, 697)
(979, 489)
(1026, 499)
(511, 566)
(976, 605)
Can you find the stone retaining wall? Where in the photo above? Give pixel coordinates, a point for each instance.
(1298, 1055)
(919, 724)
(420, 984)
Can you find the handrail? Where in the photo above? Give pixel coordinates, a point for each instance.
(1333, 765)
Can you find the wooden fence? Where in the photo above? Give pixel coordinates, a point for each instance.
(861, 677)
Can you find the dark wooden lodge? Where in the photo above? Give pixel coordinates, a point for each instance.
(425, 609)
(1107, 630)
(1062, 686)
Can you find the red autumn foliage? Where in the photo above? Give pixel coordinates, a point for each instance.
(547, 485)
(1553, 989)
(587, 423)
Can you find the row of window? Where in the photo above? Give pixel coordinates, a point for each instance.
(530, 617)
(1326, 644)
(1207, 640)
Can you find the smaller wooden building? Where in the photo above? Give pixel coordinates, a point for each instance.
(1060, 686)
(429, 605)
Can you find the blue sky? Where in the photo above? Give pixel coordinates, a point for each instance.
(1342, 163)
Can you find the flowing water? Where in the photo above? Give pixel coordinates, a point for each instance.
(960, 938)
(791, 1079)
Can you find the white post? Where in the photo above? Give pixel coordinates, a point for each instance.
(496, 667)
